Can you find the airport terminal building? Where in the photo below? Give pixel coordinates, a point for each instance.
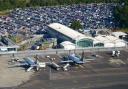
(64, 33)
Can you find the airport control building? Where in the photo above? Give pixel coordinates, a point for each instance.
(64, 33)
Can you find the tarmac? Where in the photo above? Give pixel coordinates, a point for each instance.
(12, 76)
(105, 72)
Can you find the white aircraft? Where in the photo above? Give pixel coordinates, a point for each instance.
(53, 64)
(31, 64)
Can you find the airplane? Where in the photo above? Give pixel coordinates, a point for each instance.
(31, 64)
(53, 64)
(72, 58)
(75, 59)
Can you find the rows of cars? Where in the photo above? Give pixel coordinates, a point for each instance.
(91, 16)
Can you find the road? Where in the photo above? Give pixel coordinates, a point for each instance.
(62, 51)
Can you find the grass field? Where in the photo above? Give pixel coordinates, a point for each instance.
(4, 13)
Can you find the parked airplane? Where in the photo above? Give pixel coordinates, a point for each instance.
(73, 59)
(53, 64)
(31, 64)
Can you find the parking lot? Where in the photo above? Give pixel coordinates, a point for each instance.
(91, 16)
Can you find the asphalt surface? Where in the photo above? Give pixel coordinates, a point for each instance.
(97, 74)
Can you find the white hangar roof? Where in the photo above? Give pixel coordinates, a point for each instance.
(110, 41)
(67, 31)
(117, 34)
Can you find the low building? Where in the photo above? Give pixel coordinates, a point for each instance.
(109, 41)
(119, 34)
(7, 46)
(67, 45)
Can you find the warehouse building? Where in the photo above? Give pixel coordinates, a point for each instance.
(109, 41)
(64, 33)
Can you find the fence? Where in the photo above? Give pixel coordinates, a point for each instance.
(62, 51)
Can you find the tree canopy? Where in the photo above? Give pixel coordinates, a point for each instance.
(10, 4)
(76, 25)
(121, 14)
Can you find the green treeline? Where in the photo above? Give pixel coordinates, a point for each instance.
(121, 13)
(10, 4)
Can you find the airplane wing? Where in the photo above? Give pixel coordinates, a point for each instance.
(80, 62)
(29, 68)
(20, 64)
(68, 61)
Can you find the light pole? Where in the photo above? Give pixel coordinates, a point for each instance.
(50, 67)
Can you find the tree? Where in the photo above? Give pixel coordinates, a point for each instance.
(10, 4)
(76, 25)
(121, 13)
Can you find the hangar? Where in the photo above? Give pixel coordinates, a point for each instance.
(109, 41)
(65, 33)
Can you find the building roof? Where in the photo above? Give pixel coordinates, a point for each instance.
(110, 41)
(68, 45)
(8, 43)
(117, 34)
(67, 31)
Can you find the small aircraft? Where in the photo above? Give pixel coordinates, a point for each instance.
(53, 64)
(31, 64)
(72, 58)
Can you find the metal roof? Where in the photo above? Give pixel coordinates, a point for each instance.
(117, 34)
(8, 43)
(67, 31)
(110, 41)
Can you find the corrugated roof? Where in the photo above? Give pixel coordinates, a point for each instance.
(110, 41)
(67, 31)
(117, 34)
